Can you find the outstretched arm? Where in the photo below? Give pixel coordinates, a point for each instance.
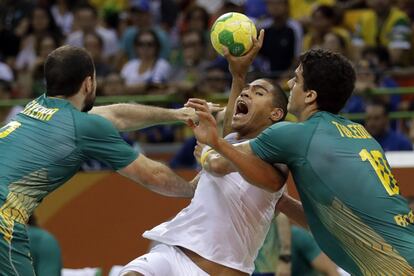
(135, 116)
(158, 178)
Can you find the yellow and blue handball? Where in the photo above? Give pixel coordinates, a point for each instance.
(235, 31)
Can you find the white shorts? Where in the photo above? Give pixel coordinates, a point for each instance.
(164, 260)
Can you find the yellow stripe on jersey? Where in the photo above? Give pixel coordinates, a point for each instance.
(372, 254)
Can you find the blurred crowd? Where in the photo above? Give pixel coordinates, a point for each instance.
(147, 47)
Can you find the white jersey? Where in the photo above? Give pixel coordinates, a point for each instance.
(226, 221)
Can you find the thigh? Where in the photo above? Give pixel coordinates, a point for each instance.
(15, 256)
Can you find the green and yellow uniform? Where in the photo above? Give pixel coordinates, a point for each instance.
(395, 32)
(304, 251)
(40, 150)
(351, 199)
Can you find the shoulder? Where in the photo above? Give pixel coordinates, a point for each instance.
(92, 124)
(130, 65)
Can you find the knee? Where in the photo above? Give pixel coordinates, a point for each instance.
(132, 273)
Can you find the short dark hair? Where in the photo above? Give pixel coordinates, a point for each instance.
(331, 75)
(280, 99)
(65, 69)
(154, 36)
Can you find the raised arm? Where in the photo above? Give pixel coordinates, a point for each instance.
(238, 67)
(135, 116)
(158, 178)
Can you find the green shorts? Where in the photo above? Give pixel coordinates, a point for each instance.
(15, 256)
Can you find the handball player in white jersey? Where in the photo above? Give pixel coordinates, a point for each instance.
(223, 228)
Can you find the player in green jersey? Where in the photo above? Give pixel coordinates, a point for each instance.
(350, 198)
(46, 143)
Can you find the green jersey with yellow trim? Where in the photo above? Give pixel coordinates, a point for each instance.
(351, 199)
(45, 145)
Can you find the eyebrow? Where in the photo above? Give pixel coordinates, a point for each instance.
(260, 86)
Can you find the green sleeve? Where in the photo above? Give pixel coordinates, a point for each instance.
(98, 139)
(278, 143)
(305, 243)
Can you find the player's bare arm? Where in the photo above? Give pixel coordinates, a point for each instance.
(134, 116)
(239, 67)
(127, 117)
(293, 209)
(158, 178)
(251, 167)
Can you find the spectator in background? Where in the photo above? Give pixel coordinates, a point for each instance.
(37, 86)
(335, 42)
(301, 10)
(216, 80)
(6, 113)
(378, 125)
(324, 21)
(141, 18)
(41, 24)
(113, 85)
(62, 14)
(94, 45)
(14, 20)
(307, 257)
(44, 249)
(384, 25)
(279, 43)
(148, 71)
(187, 75)
(86, 20)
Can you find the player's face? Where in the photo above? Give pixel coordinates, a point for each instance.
(297, 94)
(253, 107)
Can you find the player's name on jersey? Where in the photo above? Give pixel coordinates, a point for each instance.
(37, 111)
(355, 131)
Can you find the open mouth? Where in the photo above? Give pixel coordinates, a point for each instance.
(241, 109)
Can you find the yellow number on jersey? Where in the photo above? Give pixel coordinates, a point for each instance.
(9, 128)
(382, 170)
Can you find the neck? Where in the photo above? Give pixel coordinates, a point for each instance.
(76, 100)
(306, 114)
(251, 134)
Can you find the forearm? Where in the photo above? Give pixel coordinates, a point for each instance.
(293, 209)
(284, 233)
(159, 178)
(217, 165)
(256, 171)
(237, 85)
(135, 116)
(165, 182)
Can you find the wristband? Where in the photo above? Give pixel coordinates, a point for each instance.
(204, 156)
